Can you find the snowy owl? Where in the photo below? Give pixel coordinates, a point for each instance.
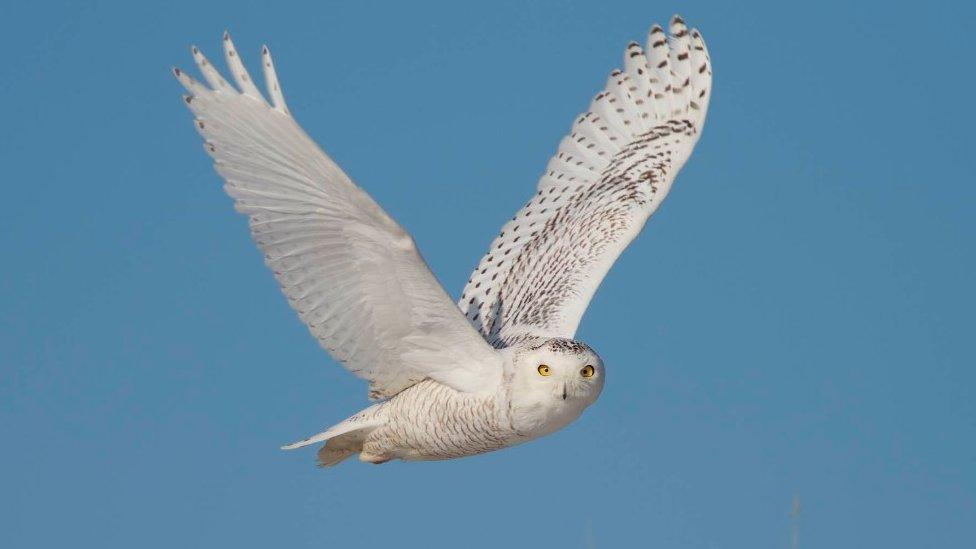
(500, 367)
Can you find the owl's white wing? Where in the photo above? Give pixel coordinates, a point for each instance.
(354, 276)
(608, 176)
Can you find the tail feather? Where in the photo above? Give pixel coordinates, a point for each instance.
(344, 439)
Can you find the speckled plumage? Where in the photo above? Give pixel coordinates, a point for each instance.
(432, 421)
(501, 367)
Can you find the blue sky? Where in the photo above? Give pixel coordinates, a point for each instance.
(797, 319)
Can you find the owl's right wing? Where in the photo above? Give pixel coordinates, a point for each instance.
(608, 176)
(354, 276)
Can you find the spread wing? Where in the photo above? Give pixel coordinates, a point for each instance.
(351, 272)
(608, 176)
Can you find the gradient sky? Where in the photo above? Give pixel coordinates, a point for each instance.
(797, 319)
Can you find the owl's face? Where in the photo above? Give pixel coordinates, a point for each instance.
(553, 383)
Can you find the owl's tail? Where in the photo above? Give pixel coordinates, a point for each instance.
(344, 439)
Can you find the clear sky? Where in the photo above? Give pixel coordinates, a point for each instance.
(797, 319)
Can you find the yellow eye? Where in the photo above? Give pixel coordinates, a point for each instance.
(544, 370)
(587, 371)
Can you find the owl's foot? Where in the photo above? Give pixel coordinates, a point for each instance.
(373, 458)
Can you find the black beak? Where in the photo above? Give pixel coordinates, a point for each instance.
(564, 392)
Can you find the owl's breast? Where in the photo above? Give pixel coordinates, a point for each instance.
(539, 415)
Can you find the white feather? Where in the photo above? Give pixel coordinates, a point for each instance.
(353, 274)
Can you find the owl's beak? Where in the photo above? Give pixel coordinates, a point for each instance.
(564, 391)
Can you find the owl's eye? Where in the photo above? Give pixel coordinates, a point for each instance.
(587, 371)
(544, 370)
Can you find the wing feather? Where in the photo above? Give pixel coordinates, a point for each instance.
(607, 177)
(354, 276)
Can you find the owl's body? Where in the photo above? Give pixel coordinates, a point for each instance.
(500, 366)
(432, 421)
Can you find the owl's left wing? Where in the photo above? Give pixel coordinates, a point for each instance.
(608, 176)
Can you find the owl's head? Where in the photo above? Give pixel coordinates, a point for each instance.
(554, 380)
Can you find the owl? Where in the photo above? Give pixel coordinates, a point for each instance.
(500, 366)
